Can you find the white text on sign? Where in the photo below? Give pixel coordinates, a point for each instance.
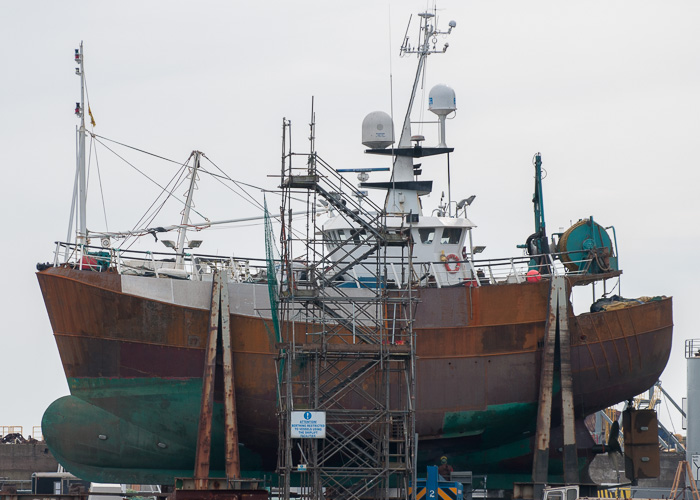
(308, 424)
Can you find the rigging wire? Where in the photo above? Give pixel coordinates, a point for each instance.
(73, 212)
(391, 92)
(224, 175)
(669, 415)
(261, 189)
(177, 180)
(99, 178)
(139, 150)
(144, 174)
(251, 199)
(92, 147)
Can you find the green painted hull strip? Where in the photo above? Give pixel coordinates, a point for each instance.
(149, 432)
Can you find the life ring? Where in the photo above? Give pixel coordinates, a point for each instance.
(452, 258)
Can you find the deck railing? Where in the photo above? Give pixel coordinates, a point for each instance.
(692, 348)
(10, 429)
(199, 267)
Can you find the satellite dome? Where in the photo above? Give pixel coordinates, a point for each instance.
(442, 100)
(377, 130)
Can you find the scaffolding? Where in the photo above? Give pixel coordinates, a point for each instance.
(347, 347)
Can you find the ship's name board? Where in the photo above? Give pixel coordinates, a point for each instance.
(308, 424)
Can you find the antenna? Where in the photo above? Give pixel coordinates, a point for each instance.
(423, 50)
(403, 171)
(404, 44)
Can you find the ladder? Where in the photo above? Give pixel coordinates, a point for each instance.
(683, 471)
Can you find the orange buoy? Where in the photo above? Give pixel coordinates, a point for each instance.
(534, 276)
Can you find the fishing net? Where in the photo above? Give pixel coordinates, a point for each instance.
(272, 274)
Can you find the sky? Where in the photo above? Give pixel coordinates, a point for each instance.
(607, 91)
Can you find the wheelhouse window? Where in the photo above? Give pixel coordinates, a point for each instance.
(451, 236)
(357, 235)
(427, 235)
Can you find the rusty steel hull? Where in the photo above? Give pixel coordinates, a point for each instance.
(136, 362)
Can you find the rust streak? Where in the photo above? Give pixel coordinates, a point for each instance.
(480, 325)
(118, 339)
(567, 395)
(201, 469)
(544, 409)
(480, 355)
(614, 343)
(120, 292)
(595, 366)
(602, 347)
(62, 276)
(624, 336)
(579, 328)
(636, 335)
(131, 341)
(233, 461)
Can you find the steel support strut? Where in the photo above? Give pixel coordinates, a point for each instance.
(557, 331)
(219, 323)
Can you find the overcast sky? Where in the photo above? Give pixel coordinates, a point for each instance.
(608, 91)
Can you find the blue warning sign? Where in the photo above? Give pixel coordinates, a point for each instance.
(308, 424)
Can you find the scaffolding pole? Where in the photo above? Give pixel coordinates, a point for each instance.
(347, 350)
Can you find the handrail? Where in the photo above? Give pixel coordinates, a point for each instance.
(37, 433)
(692, 348)
(474, 272)
(11, 429)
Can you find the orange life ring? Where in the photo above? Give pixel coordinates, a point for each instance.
(452, 258)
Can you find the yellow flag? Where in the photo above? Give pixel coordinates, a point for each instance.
(92, 118)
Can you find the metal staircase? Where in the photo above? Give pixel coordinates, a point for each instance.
(347, 350)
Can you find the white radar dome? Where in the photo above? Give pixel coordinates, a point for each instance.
(442, 100)
(377, 130)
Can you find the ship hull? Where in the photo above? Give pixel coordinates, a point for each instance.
(133, 352)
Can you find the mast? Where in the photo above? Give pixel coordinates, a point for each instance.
(401, 200)
(182, 232)
(423, 52)
(82, 174)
